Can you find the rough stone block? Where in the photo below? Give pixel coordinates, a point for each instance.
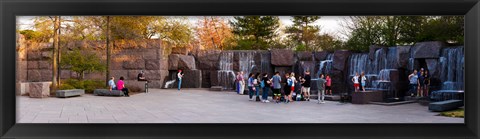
(305, 56)
(34, 55)
(340, 59)
(39, 89)
(430, 49)
(135, 86)
(445, 105)
(152, 64)
(192, 79)
(106, 92)
(134, 64)
(69, 93)
(95, 76)
(184, 62)
(282, 57)
(65, 74)
(24, 88)
(34, 75)
(44, 65)
(402, 56)
(150, 54)
(319, 56)
(118, 73)
(372, 49)
(32, 65)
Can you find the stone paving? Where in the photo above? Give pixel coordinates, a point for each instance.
(203, 106)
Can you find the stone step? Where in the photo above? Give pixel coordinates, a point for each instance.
(327, 97)
(216, 88)
(445, 105)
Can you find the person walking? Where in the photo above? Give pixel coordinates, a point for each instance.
(363, 80)
(306, 85)
(276, 79)
(321, 86)
(413, 78)
(251, 88)
(265, 84)
(356, 84)
(242, 83)
(180, 77)
(328, 85)
(121, 86)
(427, 83)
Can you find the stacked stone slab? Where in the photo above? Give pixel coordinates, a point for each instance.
(39, 89)
(69, 93)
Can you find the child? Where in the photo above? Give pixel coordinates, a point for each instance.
(356, 84)
(363, 81)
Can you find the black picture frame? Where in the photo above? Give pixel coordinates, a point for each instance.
(9, 9)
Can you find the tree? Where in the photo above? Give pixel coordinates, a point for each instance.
(214, 33)
(254, 32)
(55, 59)
(108, 51)
(326, 42)
(82, 61)
(303, 31)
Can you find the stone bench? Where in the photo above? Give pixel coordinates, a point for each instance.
(69, 93)
(39, 89)
(364, 97)
(106, 92)
(445, 105)
(442, 95)
(216, 88)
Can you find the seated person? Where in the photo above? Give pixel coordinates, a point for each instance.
(111, 84)
(121, 86)
(141, 77)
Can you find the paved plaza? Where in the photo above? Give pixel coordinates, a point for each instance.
(203, 106)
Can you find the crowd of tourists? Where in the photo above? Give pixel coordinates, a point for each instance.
(257, 83)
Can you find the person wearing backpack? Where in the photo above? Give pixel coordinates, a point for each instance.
(265, 84)
(287, 88)
(276, 79)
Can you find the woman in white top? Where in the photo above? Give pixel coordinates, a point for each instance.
(180, 77)
(355, 82)
(363, 81)
(292, 88)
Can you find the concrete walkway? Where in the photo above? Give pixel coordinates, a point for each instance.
(203, 106)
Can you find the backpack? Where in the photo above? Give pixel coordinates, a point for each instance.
(289, 81)
(262, 84)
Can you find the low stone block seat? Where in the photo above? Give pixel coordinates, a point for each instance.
(69, 93)
(106, 92)
(364, 97)
(216, 88)
(445, 105)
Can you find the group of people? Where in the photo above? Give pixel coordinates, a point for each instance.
(120, 85)
(419, 83)
(359, 81)
(258, 81)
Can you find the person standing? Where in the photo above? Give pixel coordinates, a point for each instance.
(287, 87)
(292, 86)
(421, 84)
(427, 83)
(356, 84)
(111, 84)
(251, 88)
(237, 83)
(413, 78)
(256, 84)
(121, 86)
(180, 77)
(306, 85)
(321, 86)
(276, 79)
(328, 85)
(265, 84)
(242, 83)
(363, 80)
(141, 77)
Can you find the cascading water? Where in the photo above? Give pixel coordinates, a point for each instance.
(452, 68)
(246, 63)
(226, 76)
(325, 66)
(169, 84)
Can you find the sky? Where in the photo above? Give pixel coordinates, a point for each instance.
(328, 24)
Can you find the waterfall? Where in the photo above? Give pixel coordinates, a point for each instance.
(325, 66)
(358, 64)
(452, 68)
(226, 76)
(246, 63)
